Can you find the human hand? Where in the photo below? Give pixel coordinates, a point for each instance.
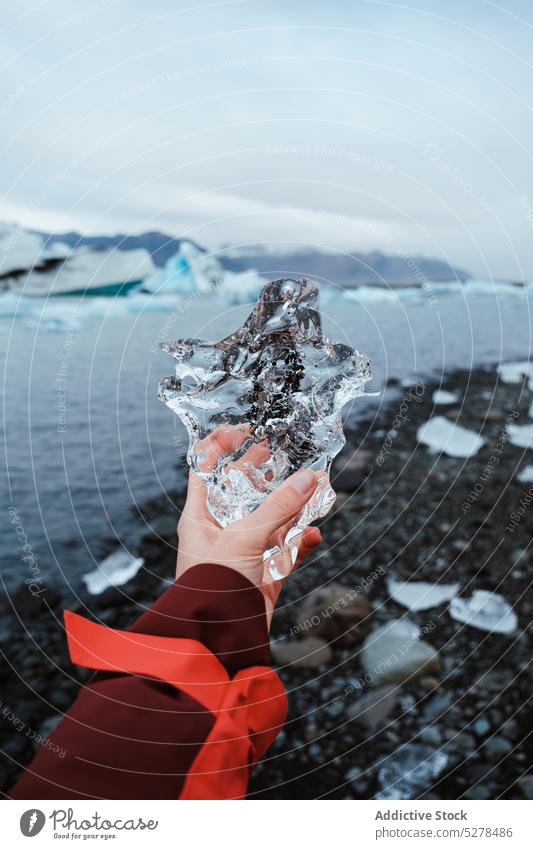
(241, 545)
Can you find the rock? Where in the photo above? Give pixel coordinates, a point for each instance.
(30, 601)
(372, 709)
(309, 653)
(349, 471)
(463, 742)
(495, 748)
(336, 613)
(481, 726)
(436, 707)
(479, 792)
(494, 681)
(477, 773)
(431, 735)
(525, 784)
(311, 732)
(395, 652)
(354, 773)
(428, 682)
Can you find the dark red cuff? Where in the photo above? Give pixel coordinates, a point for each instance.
(218, 607)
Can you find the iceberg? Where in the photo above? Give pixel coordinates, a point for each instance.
(195, 271)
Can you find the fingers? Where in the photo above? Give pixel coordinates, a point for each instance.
(223, 440)
(281, 505)
(311, 539)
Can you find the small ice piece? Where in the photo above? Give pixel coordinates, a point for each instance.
(486, 611)
(521, 435)
(116, 569)
(421, 595)
(264, 403)
(525, 475)
(442, 396)
(410, 770)
(440, 434)
(515, 372)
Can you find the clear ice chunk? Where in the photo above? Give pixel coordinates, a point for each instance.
(485, 610)
(409, 771)
(270, 396)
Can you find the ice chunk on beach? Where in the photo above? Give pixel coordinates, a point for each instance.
(525, 474)
(521, 435)
(421, 595)
(410, 770)
(486, 611)
(270, 395)
(440, 434)
(515, 372)
(117, 569)
(442, 396)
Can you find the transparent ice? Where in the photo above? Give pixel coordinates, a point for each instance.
(270, 395)
(410, 770)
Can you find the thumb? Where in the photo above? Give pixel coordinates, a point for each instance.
(281, 505)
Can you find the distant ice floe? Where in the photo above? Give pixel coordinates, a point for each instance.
(442, 396)
(440, 434)
(525, 475)
(486, 611)
(117, 569)
(421, 595)
(521, 435)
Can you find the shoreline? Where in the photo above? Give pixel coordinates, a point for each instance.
(399, 514)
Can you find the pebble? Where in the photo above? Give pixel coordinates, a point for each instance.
(372, 709)
(496, 748)
(525, 784)
(394, 652)
(431, 735)
(309, 653)
(481, 726)
(335, 612)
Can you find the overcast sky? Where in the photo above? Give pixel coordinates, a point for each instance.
(353, 125)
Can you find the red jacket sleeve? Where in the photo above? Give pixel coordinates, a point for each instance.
(184, 703)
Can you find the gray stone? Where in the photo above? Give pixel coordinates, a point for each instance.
(436, 707)
(525, 784)
(431, 735)
(480, 791)
(309, 653)
(395, 652)
(374, 708)
(481, 726)
(335, 612)
(496, 748)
